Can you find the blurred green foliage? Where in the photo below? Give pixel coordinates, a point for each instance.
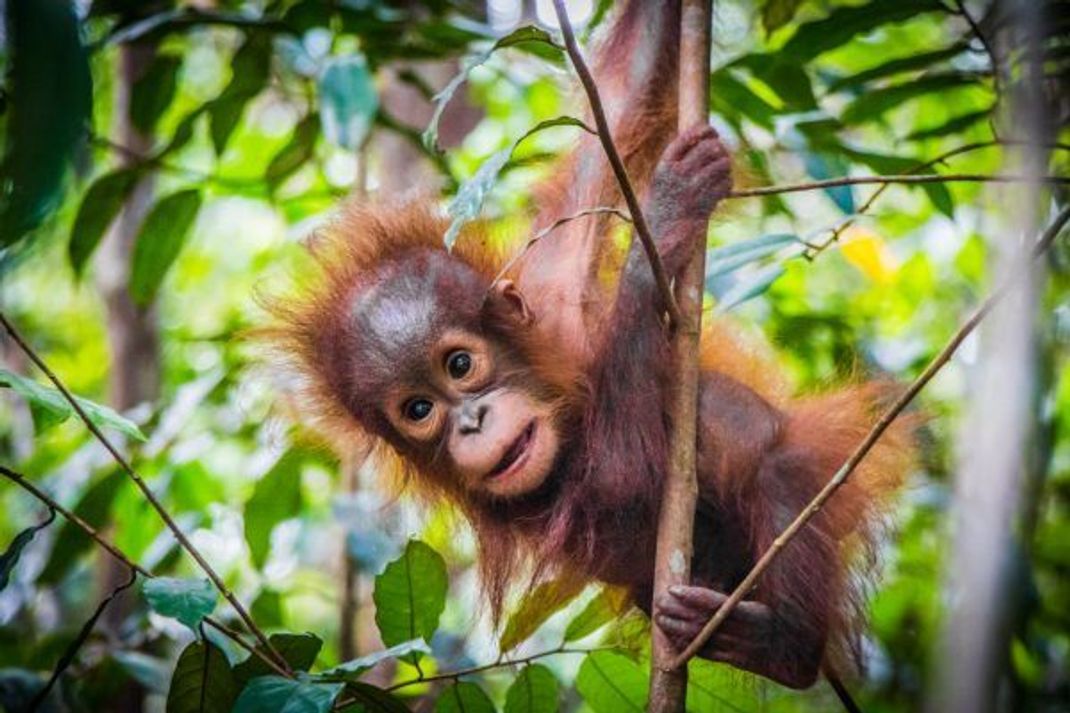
(255, 112)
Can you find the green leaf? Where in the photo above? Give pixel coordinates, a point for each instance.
(885, 164)
(732, 257)
(732, 98)
(464, 697)
(533, 691)
(276, 497)
(11, 555)
(347, 100)
(202, 681)
(872, 104)
(50, 407)
(845, 22)
(49, 100)
(717, 687)
(410, 595)
(159, 242)
(601, 610)
(468, 202)
(526, 35)
(188, 600)
(352, 669)
(611, 682)
(295, 153)
(543, 602)
(777, 13)
(153, 92)
(250, 66)
(275, 694)
(749, 287)
(954, 125)
(101, 203)
(71, 543)
(298, 650)
(266, 609)
(911, 63)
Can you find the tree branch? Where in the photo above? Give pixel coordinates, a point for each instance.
(26, 484)
(146, 491)
(901, 178)
(626, 189)
(869, 441)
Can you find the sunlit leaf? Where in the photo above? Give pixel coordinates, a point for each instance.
(275, 694)
(48, 99)
(100, 205)
(612, 683)
(276, 497)
(353, 668)
(410, 595)
(250, 66)
(153, 92)
(202, 681)
(188, 600)
(719, 688)
(295, 153)
(910, 63)
(347, 100)
(732, 98)
(866, 251)
(872, 104)
(845, 22)
(50, 407)
(298, 650)
(468, 202)
(160, 241)
(10, 556)
(463, 697)
(601, 610)
(539, 605)
(749, 286)
(954, 125)
(94, 507)
(534, 690)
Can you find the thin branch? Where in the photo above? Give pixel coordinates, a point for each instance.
(500, 663)
(602, 210)
(870, 440)
(83, 635)
(814, 249)
(863, 180)
(641, 227)
(26, 484)
(146, 491)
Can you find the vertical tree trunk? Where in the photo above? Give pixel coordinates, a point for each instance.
(668, 688)
(994, 444)
(133, 340)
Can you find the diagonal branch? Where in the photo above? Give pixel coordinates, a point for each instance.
(26, 484)
(146, 491)
(626, 189)
(870, 440)
(863, 180)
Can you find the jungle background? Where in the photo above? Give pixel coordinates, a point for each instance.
(162, 162)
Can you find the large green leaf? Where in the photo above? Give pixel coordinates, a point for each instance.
(276, 497)
(50, 407)
(100, 204)
(297, 151)
(872, 104)
(601, 610)
(410, 595)
(48, 100)
(159, 242)
(527, 35)
(352, 669)
(612, 683)
(202, 681)
(153, 92)
(910, 63)
(533, 691)
(298, 650)
(719, 688)
(10, 556)
(535, 608)
(71, 543)
(250, 67)
(348, 100)
(275, 694)
(845, 22)
(188, 600)
(463, 697)
(468, 202)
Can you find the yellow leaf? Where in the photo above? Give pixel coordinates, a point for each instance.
(867, 251)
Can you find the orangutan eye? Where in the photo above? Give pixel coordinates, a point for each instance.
(418, 409)
(458, 364)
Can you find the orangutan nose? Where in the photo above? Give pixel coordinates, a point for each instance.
(470, 418)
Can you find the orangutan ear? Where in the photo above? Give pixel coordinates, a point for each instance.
(508, 301)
